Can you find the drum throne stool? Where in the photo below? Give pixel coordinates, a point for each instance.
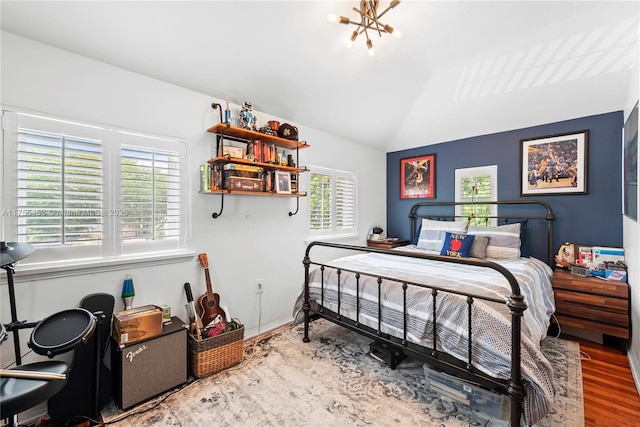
(25, 386)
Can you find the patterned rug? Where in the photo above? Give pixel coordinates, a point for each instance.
(333, 381)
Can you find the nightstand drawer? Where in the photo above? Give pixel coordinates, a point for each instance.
(599, 302)
(592, 285)
(590, 325)
(598, 314)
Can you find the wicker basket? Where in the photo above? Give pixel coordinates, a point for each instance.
(215, 354)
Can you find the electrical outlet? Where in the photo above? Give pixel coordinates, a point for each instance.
(259, 286)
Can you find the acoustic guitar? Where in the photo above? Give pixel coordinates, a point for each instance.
(208, 304)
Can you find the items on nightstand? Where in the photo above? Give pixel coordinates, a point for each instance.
(585, 261)
(615, 271)
(376, 233)
(389, 243)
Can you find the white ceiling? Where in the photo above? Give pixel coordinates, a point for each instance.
(460, 69)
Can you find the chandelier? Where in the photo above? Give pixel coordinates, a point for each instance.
(369, 20)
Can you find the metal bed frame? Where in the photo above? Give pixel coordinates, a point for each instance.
(464, 369)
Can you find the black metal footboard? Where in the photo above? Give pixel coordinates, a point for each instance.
(463, 369)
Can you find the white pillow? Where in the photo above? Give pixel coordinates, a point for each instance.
(432, 233)
(504, 240)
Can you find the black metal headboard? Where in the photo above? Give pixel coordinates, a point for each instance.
(510, 211)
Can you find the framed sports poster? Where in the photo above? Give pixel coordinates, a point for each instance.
(555, 164)
(418, 177)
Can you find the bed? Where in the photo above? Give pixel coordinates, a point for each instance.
(478, 318)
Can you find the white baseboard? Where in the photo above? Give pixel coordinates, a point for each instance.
(635, 369)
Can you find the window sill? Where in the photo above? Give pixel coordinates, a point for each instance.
(52, 270)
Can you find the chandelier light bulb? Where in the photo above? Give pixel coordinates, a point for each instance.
(352, 39)
(394, 32)
(372, 52)
(332, 18)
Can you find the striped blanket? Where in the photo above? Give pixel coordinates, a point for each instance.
(491, 346)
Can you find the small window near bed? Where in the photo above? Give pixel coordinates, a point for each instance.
(477, 185)
(332, 203)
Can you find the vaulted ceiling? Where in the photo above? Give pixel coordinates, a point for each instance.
(460, 69)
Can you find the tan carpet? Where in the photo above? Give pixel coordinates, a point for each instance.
(333, 381)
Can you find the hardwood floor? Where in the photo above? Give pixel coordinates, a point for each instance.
(610, 394)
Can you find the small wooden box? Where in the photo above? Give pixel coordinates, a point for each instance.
(137, 324)
(243, 184)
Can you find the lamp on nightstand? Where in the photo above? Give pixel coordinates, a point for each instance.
(376, 233)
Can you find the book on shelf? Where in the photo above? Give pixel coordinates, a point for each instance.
(205, 177)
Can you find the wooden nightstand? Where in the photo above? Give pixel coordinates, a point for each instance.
(386, 244)
(592, 304)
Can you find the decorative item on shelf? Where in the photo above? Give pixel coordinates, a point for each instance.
(283, 182)
(287, 131)
(267, 131)
(274, 125)
(227, 113)
(247, 118)
(128, 292)
(369, 20)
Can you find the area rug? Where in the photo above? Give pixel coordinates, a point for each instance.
(332, 381)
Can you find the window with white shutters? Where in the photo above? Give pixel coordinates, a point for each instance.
(59, 188)
(332, 203)
(78, 191)
(150, 194)
(477, 185)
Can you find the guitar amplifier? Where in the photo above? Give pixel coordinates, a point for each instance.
(150, 367)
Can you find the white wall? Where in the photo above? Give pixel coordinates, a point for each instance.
(254, 238)
(631, 242)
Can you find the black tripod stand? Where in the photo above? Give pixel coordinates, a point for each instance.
(11, 253)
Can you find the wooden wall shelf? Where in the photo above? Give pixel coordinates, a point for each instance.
(236, 132)
(222, 131)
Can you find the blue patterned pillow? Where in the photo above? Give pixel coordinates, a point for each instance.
(457, 245)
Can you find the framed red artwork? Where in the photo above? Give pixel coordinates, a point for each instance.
(418, 177)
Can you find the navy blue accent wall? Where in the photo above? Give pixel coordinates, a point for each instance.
(594, 218)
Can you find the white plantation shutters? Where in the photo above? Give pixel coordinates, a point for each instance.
(477, 185)
(150, 193)
(332, 203)
(59, 188)
(345, 201)
(79, 191)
